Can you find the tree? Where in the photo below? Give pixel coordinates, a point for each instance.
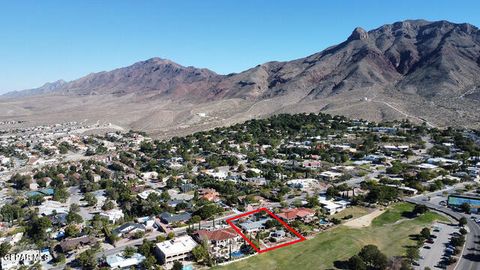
(373, 258)
(413, 254)
(356, 263)
(37, 229)
(420, 209)
(11, 212)
(75, 208)
(90, 199)
(458, 241)
(61, 194)
(462, 221)
(208, 210)
(200, 253)
(71, 231)
(4, 249)
(425, 233)
(313, 202)
(251, 174)
(465, 207)
(128, 252)
(177, 265)
(60, 259)
(108, 205)
(21, 181)
(87, 259)
(73, 217)
(146, 248)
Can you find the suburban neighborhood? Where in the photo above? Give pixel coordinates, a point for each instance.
(120, 199)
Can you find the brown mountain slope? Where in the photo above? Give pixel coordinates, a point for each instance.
(425, 71)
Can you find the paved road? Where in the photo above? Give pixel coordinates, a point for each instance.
(470, 258)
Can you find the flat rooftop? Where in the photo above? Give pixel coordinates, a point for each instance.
(179, 245)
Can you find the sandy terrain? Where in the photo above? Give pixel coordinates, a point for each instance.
(364, 221)
(164, 118)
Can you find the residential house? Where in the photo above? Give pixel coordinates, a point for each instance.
(221, 242)
(71, 244)
(113, 215)
(331, 206)
(292, 214)
(48, 208)
(46, 193)
(330, 176)
(209, 194)
(177, 249)
(250, 226)
(144, 194)
(302, 183)
(129, 228)
(312, 164)
(169, 218)
(118, 261)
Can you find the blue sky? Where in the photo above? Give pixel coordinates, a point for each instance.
(46, 40)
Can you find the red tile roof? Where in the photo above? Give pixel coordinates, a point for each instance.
(296, 213)
(217, 235)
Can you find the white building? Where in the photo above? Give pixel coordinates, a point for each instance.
(329, 175)
(427, 166)
(149, 176)
(331, 206)
(177, 249)
(444, 161)
(47, 208)
(118, 261)
(144, 194)
(303, 183)
(112, 215)
(4, 160)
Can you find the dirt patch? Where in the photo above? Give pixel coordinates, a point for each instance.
(364, 221)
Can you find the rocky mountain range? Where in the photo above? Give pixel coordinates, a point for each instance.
(424, 71)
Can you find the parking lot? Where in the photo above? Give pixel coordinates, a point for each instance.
(432, 253)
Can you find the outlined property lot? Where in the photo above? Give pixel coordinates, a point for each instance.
(240, 224)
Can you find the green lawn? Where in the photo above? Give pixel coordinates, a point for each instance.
(343, 242)
(393, 214)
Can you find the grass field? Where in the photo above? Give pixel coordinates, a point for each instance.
(387, 232)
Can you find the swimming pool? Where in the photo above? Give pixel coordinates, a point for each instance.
(187, 267)
(237, 254)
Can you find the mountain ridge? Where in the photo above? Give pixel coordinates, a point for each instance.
(410, 69)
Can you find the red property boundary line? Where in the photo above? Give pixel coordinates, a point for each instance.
(230, 222)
